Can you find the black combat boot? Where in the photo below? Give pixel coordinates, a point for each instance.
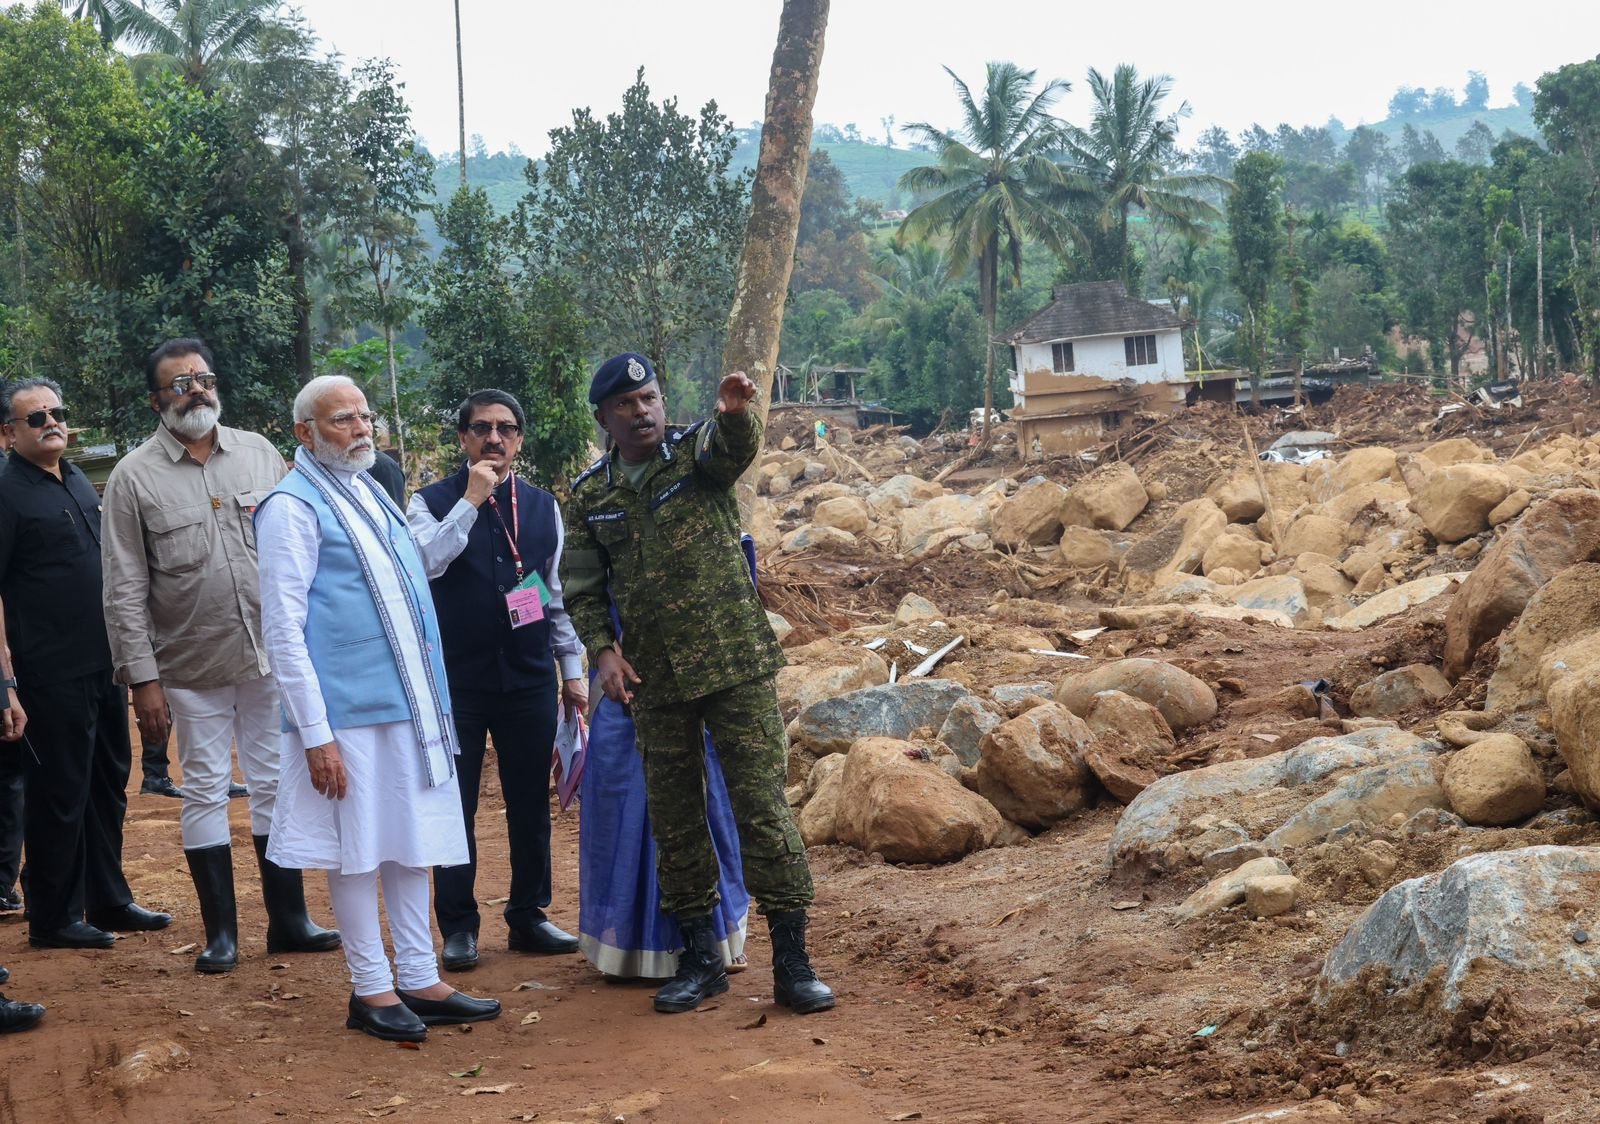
(794, 981)
(700, 972)
(289, 927)
(212, 871)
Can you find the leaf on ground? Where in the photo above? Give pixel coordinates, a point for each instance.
(1004, 917)
(907, 1116)
(487, 1090)
(409, 1045)
(534, 985)
(819, 1041)
(759, 1022)
(530, 1017)
(1120, 906)
(497, 901)
(185, 1014)
(473, 1072)
(183, 948)
(395, 1101)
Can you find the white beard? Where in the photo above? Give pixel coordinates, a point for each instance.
(196, 423)
(358, 457)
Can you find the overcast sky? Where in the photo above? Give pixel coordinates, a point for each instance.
(530, 62)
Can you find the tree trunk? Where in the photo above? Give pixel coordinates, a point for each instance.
(300, 293)
(756, 319)
(1538, 355)
(394, 390)
(461, 97)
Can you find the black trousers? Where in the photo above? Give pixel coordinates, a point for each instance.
(11, 754)
(76, 797)
(523, 724)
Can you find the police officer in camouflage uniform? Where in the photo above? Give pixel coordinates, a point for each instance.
(654, 527)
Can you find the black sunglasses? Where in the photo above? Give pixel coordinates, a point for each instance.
(505, 429)
(35, 420)
(182, 384)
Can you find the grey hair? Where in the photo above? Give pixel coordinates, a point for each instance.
(305, 403)
(13, 389)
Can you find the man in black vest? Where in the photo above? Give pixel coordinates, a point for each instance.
(492, 547)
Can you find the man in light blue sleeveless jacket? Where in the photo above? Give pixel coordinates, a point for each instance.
(367, 788)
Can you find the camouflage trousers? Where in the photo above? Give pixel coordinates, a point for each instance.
(747, 730)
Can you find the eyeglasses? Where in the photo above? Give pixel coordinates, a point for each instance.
(183, 383)
(504, 429)
(347, 418)
(35, 420)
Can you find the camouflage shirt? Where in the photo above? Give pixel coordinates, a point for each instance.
(668, 553)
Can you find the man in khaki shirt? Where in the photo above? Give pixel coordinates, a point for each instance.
(183, 612)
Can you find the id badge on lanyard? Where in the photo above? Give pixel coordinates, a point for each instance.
(524, 606)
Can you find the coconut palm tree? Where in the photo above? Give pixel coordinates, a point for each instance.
(98, 12)
(995, 186)
(1124, 153)
(201, 39)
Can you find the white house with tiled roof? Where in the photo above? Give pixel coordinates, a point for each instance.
(1091, 356)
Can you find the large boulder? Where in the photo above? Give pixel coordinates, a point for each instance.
(1575, 712)
(915, 609)
(903, 491)
(1533, 653)
(1386, 499)
(1239, 496)
(1393, 602)
(893, 710)
(846, 513)
(819, 819)
(1242, 552)
(964, 727)
(1316, 534)
(1155, 821)
(1131, 741)
(1494, 781)
(908, 810)
(1456, 450)
(1228, 889)
(825, 674)
(1366, 465)
(1284, 594)
(919, 523)
(1487, 921)
(1082, 548)
(1370, 796)
(1032, 769)
(1183, 700)
(1179, 546)
(1109, 498)
(1455, 502)
(1395, 692)
(1550, 536)
(812, 537)
(1032, 517)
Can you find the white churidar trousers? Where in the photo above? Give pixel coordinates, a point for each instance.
(209, 724)
(355, 907)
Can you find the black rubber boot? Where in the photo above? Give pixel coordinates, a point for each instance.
(700, 972)
(794, 982)
(212, 871)
(289, 927)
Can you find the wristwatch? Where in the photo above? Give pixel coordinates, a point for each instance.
(9, 684)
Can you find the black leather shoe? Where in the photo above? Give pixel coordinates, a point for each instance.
(10, 902)
(76, 935)
(235, 790)
(131, 918)
(459, 1008)
(160, 786)
(700, 972)
(18, 1016)
(460, 952)
(543, 937)
(5, 975)
(392, 1024)
(795, 984)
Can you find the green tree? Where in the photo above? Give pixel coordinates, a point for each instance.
(831, 246)
(1124, 155)
(1437, 252)
(640, 212)
(1255, 229)
(206, 41)
(377, 214)
(995, 187)
(491, 323)
(100, 13)
(1366, 150)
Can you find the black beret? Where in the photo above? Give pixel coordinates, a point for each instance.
(619, 375)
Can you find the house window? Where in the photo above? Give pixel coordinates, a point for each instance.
(1141, 350)
(1061, 358)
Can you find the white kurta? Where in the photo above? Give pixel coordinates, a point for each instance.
(389, 813)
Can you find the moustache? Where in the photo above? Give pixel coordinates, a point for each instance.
(52, 431)
(498, 450)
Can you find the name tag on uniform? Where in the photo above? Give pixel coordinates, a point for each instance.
(524, 607)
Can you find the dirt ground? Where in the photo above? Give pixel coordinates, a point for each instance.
(1017, 985)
